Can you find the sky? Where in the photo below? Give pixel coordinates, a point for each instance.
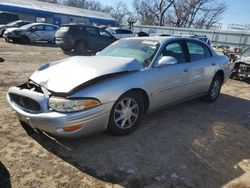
(238, 11)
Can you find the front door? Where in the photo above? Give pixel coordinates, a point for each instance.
(171, 82)
(36, 33)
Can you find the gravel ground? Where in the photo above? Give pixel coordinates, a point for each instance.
(193, 144)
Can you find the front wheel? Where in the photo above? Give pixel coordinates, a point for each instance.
(214, 89)
(126, 114)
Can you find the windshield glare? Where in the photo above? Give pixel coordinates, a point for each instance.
(13, 23)
(27, 26)
(141, 50)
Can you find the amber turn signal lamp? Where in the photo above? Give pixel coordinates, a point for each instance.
(72, 128)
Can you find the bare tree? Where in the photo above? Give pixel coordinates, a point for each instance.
(200, 14)
(119, 11)
(155, 8)
(141, 9)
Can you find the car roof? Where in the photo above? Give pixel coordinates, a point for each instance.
(34, 24)
(117, 28)
(8, 12)
(77, 24)
(163, 39)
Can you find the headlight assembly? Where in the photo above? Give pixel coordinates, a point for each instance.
(71, 105)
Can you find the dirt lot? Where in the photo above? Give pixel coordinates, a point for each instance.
(194, 144)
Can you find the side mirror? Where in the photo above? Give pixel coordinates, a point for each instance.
(167, 60)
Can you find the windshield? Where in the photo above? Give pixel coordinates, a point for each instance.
(13, 23)
(26, 26)
(141, 50)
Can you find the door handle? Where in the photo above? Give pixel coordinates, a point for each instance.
(213, 63)
(185, 69)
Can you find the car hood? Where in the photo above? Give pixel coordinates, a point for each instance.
(65, 75)
(10, 29)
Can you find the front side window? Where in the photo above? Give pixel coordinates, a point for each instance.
(49, 28)
(141, 50)
(196, 51)
(38, 28)
(174, 50)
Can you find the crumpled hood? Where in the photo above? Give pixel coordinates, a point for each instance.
(65, 75)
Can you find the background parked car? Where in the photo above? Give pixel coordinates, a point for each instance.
(83, 38)
(7, 17)
(32, 32)
(241, 68)
(119, 33)
(15, 24)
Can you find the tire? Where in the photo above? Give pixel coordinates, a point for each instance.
(65, 49)
(7, 39)
(80, 47)
(1, 35)
(119, 124)
(214, 90)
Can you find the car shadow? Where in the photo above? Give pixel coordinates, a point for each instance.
(1, 60)
(39, 44)
(194, 144)
(4, 176)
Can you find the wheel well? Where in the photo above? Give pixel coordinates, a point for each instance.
(221, 74)
(144, 96)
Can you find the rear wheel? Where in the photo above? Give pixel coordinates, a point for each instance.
(80, 47)
(214, 89)
(126, 114)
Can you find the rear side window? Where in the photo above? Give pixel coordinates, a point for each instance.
(123, 31)
(208, 51)
(49, 28)
(196, 51)
(91, 31)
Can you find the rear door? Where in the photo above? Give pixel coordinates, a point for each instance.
(49, 33)
(92, 37)
(202, 66)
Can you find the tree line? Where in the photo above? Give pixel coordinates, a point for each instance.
(200, 14)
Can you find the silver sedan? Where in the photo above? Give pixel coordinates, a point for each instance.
(112, 90)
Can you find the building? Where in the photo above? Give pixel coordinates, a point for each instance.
(37, 11)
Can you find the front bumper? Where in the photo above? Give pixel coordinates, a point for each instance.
(92, 120)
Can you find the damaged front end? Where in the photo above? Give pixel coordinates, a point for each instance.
(241, 71)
